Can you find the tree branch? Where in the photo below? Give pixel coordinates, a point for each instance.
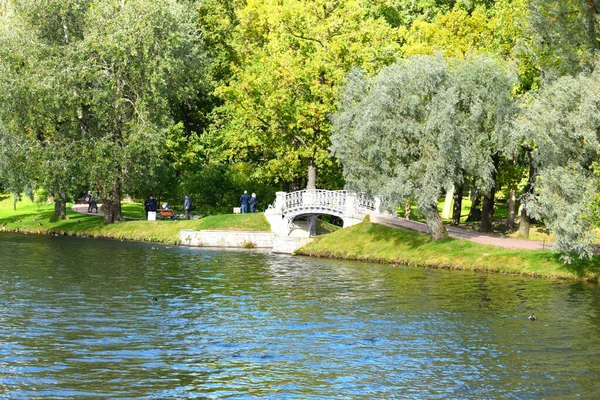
(301, 36)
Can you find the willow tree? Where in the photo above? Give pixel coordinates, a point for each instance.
(560, 125)
(292, 58)
(133, 58)
(90, 81)
(37, 102)
(563, 36)
(419, 126)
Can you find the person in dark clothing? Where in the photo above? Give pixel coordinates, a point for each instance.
(187, 206)
(147, 206)
(93, 205)
(89, 199)
(253, 203)
(244, 200)
(152, 205)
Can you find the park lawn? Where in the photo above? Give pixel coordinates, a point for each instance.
(377, 243)
(32, 217)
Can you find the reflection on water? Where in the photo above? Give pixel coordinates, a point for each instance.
(77, 321)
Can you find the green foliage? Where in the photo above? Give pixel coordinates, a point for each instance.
(419, 126)
(560, 126)
(564, 36)
(91, 84)
(38, 110)
(217, 188)
(292, 58)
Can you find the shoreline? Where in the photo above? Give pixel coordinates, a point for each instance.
(370, 242)
(425, 260)
(365, 242)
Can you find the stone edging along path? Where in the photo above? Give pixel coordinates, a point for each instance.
(394, 222)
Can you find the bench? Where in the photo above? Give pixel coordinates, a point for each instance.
(167, 214)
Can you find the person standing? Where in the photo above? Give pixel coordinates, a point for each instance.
(89, 198)
(187, 206)
(244, 200)
(253, 202)
(152, 205)
(147, 206)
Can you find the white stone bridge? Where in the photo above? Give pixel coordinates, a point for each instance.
(294, 214)
(293, 219)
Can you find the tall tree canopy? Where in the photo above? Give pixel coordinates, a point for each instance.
(37, 96)
(560, 125)
(293, 56)
(95, 81)
(419, 126)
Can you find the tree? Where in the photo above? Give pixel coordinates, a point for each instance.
(562, 36)
(560, 127)
(419, 126)
(292, 58)
(36, 97)
(92, 84)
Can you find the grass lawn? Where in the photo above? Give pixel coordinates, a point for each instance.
(378, 243)
(36, 217)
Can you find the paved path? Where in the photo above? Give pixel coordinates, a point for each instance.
(459, 233)
(82, 209)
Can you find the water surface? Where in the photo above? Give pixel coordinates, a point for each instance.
(77, 321)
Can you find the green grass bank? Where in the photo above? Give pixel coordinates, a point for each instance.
(377, 243)
(365, 242)
(35, 217)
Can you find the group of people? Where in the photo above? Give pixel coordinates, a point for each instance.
(150, 204)
(246, 201)
(91, 201)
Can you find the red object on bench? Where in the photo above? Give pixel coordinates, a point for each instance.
(166, 213)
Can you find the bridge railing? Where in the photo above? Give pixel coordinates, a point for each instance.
(364, 203)
(316, 198)
(339, 201)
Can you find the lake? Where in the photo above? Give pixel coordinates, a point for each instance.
(77, 320)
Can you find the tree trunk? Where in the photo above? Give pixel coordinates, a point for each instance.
(111, 204)
(448, 203)
(487, 212)
(407, 209)
(312, 175)
(60, 206)
(475, 212)
(296, 184)
(525, 222)
(16, 199)
(434, 222)
(457, 209)
(512, 201)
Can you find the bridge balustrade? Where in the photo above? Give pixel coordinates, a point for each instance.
(334, 200)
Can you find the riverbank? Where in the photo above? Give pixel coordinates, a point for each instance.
(364, 242)
(36, 218)
(378, 243)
